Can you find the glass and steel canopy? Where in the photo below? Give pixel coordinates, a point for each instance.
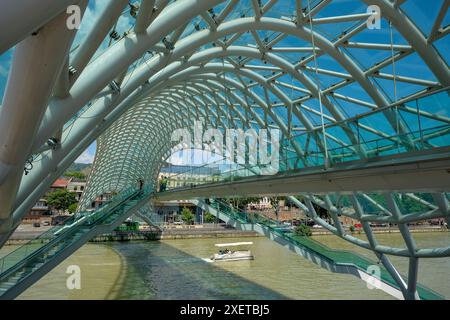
(340, 80)
(336, 86)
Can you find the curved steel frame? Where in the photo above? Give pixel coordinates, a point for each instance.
(185, 80)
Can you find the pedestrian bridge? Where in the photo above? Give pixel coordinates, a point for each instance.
(427, 171)
(24, 266)
(355, 96)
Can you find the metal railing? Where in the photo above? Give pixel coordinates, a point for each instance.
(38, 246)
(424, 131)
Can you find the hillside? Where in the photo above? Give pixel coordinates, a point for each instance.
(80, 167)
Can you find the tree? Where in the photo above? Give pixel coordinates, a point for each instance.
(209, 217)
(303, 230)
(72, 208)
(187, 216)
(61, 199)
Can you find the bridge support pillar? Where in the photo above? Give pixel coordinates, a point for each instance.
(37, 62)
(411, 293)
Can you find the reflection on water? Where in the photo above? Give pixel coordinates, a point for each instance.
(102, 273)
(174, 269)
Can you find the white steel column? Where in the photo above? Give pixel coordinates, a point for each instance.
(36, 65)
(18, 19)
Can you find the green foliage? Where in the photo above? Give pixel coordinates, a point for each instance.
(72, 208)
(78, 167)
(352, 228)
(61, 199)
(187, 216)
(303, 230)
(209, 217)
(75, 174)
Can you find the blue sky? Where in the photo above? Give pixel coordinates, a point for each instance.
(88, 155)
(422, 12)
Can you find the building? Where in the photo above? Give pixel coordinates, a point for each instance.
(100, 200)
(41, 207)
(77, 186)
(59, 184)
(263, 203)
(169, 211)
(39, 210)
(184, 176)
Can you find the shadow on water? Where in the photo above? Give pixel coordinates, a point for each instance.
(160, 271)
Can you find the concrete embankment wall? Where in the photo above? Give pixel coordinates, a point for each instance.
(172, 234)
(21, 238)
(427, 229)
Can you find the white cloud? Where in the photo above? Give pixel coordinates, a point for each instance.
(86, 157)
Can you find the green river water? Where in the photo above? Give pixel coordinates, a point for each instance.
(174, 269)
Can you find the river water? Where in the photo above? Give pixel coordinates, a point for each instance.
(174, 269)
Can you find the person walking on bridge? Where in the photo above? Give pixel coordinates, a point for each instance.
(163, 184)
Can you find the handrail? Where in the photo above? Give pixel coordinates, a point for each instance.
(374, 147)
(336, 153)
(117, 201)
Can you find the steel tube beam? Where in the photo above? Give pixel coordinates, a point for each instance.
(32, 17)
(415, 38)
(144, 14)
(36, 65)
(93, 40)
(106, 68)
(412, 279)
(38, 181)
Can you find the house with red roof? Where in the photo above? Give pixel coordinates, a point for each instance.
(60, 183)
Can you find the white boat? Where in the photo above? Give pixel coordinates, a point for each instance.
(232, 255)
